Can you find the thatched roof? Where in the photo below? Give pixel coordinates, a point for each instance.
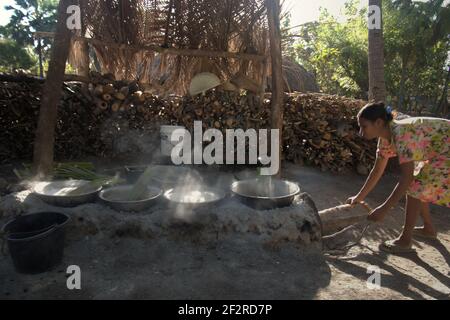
(297, 78)
(216, 25)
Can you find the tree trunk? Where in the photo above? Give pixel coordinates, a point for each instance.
(377, 87)
(51, 95)
(273, 14)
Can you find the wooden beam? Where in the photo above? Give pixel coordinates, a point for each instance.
(44, 34)
(51, 95)
(173, 51)
(273, 15)
(179, 52)
(31, 79)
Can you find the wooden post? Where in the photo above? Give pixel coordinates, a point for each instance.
(41, 68)
(51, 95)
(273, 15)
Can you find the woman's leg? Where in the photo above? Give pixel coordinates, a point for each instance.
(413, 208)
(428, 228)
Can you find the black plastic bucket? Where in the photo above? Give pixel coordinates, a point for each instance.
(36, 241)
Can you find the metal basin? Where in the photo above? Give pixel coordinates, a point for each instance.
(56, 192)
(193, 197)
(265, 193)
(114, 198)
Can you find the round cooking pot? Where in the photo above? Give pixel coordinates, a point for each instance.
(55, 192)
(193, 197)
(264, 193)
(113, 197)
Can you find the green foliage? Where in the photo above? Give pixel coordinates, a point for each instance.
(13, 56)
(417, 45)
(416, 49)
(29, 16)
(336, 52)
(69, 68)
(288, 39)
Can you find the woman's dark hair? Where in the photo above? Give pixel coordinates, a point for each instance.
(374, 111)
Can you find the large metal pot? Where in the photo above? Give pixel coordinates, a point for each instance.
(114, 198)
(265, 193)
(57, 192)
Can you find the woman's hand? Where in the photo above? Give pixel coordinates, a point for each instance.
(378, 214)
(354, 200)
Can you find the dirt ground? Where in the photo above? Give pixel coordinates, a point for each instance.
(166, 268)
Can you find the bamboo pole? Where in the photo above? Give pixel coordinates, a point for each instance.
(180, 52)
(20, 78)
(41, 68)
(273, 15)
(173, 51)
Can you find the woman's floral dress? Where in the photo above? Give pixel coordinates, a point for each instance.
(426, 141)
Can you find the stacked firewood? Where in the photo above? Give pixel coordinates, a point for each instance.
(221, 110)
(91, 117)
(319, 130)
(127, 100)
(19, 108)
(322, 130)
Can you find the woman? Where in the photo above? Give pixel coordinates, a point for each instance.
(423, 149)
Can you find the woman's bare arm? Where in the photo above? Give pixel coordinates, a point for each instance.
(374, 177)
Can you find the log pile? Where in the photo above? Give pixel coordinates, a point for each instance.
(322, 130)
(89, 120)
(319, 130)
(221, 110)
(107, 97)
(19, 108)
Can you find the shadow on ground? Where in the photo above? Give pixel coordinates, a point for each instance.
(136, 269)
